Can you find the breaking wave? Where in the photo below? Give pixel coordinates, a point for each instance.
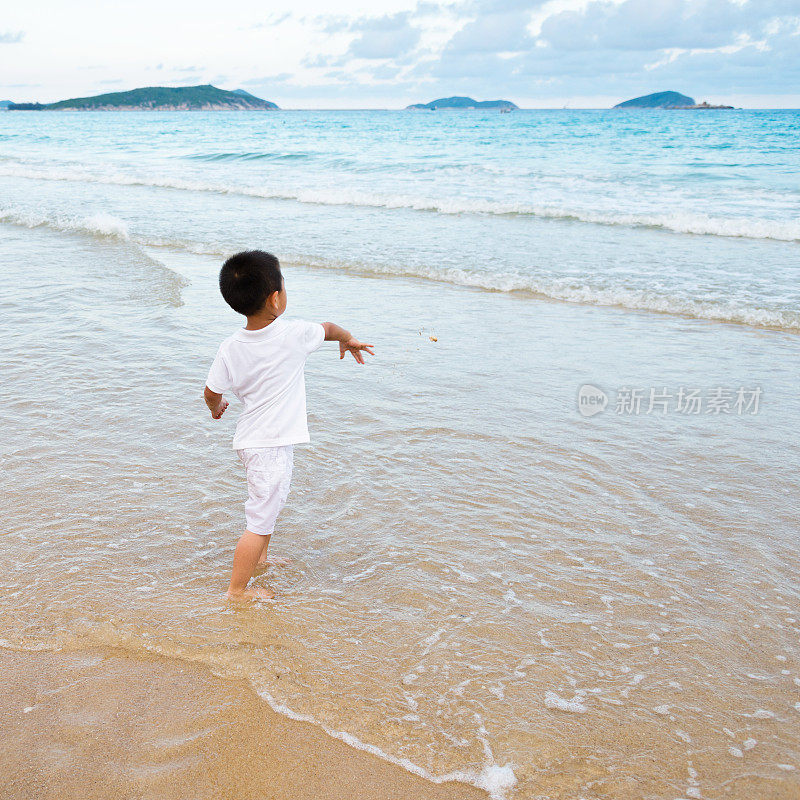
(101, 225)
(674, 221)
(105, 226)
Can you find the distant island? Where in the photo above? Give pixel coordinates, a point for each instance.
(463, 103)
(158, 98)
(674, 100)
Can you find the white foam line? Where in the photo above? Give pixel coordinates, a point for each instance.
(494, 779)
(107, 226)
(100, 224)
(676, 222)
(497, 781)
(574, 706)
(367, 571)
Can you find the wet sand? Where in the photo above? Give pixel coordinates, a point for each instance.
(107, 724)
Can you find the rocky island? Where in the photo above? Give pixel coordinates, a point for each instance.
(158, 98)
(464, 103)
(673, 100)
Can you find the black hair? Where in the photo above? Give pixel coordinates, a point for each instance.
(247, 279)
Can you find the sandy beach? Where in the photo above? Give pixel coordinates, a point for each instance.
(108, 723)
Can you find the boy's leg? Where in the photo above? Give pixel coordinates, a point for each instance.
(265, 561)
(262, 559)
(248, 551)
(269, 475)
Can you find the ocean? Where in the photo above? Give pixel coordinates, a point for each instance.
(545, 542)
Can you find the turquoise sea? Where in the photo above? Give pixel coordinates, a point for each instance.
(490, 581)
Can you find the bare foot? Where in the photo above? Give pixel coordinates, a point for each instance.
(252, 593)
(274, 561)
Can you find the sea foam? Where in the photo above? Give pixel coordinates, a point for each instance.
(104, 225)
(495, 779)
(575, 706)
(685, 222)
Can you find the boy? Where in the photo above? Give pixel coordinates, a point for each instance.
(262, 364)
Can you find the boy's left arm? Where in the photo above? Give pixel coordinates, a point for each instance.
(216, 403)
(347, 342)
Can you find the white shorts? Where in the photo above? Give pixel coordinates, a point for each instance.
(269, 474)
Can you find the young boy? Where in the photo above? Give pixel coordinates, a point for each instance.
(262, 364)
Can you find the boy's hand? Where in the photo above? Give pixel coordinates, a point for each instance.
(347, 342)
(217, 412)
(353, 346)
(216, 403)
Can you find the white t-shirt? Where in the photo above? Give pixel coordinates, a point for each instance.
(264, 369)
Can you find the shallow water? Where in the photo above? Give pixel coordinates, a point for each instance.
(482, 578)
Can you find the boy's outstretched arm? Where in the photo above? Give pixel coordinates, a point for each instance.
(347, 342)
(215, 402)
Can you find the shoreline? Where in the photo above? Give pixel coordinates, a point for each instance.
(103, 721)
(107, 228)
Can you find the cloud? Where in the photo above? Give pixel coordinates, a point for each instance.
(504, 31)
(605, 47)
(273, 20)
(331, 23)
(322, 61)
(281, 77)
(391, 36)
(11, 37)
(658, 24)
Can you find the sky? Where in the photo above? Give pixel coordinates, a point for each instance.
(300, 54)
